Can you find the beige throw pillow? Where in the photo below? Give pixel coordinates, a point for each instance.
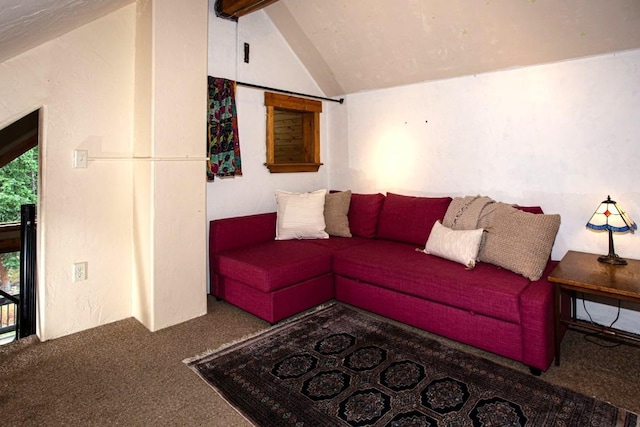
(336, 209)
(455, 245)
(520, 241)
(300, 215)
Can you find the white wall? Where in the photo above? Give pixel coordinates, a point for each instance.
(272, 63)
(83, 82)
(562, 136)
(170, 225)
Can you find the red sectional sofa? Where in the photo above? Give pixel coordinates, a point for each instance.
(380, 270)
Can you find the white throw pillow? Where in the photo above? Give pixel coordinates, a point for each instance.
(300, 215)
(455, 245)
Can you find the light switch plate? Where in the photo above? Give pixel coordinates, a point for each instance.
(80, 158)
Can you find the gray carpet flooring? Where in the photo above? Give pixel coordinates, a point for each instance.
(122, 374)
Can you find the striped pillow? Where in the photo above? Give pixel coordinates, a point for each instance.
(460, 246)
(300, 215)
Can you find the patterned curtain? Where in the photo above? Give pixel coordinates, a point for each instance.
(223, 144)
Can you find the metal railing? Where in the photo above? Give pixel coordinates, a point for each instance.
(10, 294)
(27, 302)
(8, 316)
(18, 307)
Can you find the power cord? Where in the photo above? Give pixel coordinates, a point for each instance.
(589, 337)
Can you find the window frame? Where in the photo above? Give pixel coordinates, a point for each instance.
(310, 110)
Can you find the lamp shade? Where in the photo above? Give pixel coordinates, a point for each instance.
(609, 216)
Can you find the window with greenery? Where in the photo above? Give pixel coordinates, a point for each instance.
(18, 186)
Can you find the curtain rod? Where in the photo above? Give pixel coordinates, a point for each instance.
(341, 100)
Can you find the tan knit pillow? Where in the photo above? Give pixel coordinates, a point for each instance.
(520, 241)
(336, 208)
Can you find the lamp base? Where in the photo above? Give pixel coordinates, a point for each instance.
(612, 259)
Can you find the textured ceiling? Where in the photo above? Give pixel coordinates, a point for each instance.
(25, 24)
(357, 45)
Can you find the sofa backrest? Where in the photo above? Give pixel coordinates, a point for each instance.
(231, 233)
(530, 209)
(410, 219)
(364, 211)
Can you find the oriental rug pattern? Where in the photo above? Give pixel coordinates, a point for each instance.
(338, 366)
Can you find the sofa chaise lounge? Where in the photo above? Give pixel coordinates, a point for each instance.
(383, 268)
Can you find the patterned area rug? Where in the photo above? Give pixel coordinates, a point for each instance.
(341, 367)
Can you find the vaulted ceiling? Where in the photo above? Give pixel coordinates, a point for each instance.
(25, 24)
(357, 45)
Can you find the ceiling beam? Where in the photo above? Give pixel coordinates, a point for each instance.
(233, 9)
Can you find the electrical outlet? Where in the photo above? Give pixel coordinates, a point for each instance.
(79, 271)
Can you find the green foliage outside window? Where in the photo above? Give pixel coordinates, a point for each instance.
(18, 186)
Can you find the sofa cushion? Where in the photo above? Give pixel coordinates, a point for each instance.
(520, 241)
(336, 209)
(460, 246)
(487, 289)
(300, 215)
(410, 219)
(337, 243)
(275, 264)
(363, 214)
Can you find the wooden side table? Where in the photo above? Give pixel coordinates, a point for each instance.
(581, 272)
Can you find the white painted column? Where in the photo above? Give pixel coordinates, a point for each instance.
(169, 283)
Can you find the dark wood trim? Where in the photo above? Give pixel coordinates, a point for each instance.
(237, 8)
(19, 137)
(287, 102)
(292, 167)
(310, 114)
(9, 237)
